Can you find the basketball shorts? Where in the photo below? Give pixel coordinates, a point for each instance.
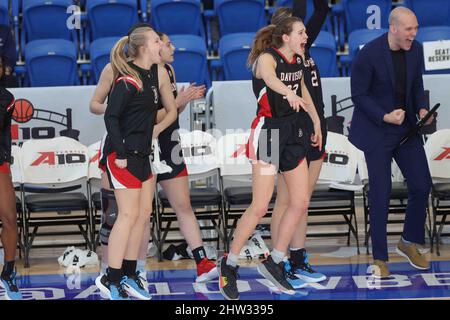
(279, 141)
(314, 153)
(171, 153)
(137, 171)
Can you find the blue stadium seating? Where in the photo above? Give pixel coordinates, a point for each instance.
(4, 15)
(177, 17)
(356, 14)
(434, 34)
(234, 49)
(323, 51)
(240, 15)
(358, 38)
(111, 18)
(43, 19)
(430, 12)
(190, 59)
(100, 52)
(51, 62)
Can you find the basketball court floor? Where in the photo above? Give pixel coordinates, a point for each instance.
(348, 278)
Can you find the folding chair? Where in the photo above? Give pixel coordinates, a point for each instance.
(94, 196)
(199, 155)
(51, 170)
(330, 197)
(17, 180)
(438, 155)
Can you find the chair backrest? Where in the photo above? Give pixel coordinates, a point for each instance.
(4, 14)
(54, 161)
(190, 62)
(111, 18)
(359, 38)
(51, 62)
(100, 51)
(94, 159)
(430, 12)
(234, 50)
(437, 149)
(177, 17)
(396, 174)
(240, 15)
(43, 19)
(323, 52)
(231, 154)
(199, 152)
(16, 173)
(341, 161)
(366, 14)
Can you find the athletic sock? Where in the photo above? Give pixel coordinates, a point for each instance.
(8, 269)
(140, 265)
(199, 254)
(114, 275)
(277, 256)
(129, 267)
(232, 260)
(298, 256)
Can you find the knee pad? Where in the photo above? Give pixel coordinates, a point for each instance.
(109, 214)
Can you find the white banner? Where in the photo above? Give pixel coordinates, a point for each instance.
(436, 55)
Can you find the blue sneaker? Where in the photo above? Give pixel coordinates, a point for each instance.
(111, 290)
(295, 282)
(136, 288)
(305, 272)
(12, 292)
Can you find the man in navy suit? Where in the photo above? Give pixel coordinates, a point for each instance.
(388, 94)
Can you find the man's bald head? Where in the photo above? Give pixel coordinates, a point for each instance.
(399, 13)
(403, 28)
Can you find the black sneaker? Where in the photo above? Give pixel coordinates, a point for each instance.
(276, 274)
(227, 279)
(113, 291)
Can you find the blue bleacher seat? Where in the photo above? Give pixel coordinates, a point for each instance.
(359, 38)
(430, 12)
(357, 15)
(190, 62)
(177, 17)
(100, 52)
(323, 51)
(43, 19)
(51, 62)
(234, 49)
(111, 18)
(434, 34)
(4, 15)
(240, 15)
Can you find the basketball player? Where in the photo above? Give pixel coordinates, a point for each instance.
(8, 213)
(277, 142)
(299, 262)
(130, 123)
(175, 184)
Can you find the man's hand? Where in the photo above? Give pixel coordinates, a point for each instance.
(422, 113)
(395, 117)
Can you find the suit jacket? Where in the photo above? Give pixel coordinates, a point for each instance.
(373, 91)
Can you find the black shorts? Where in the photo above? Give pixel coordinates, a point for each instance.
(138, 170)
(279, 141)
(314, 153)
(171, 153)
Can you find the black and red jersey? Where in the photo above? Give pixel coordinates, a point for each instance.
(313, 83)
(131, 113)
(6, 111)
(270, 103)
(172, 83)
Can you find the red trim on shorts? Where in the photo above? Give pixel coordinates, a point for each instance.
(263, 102)
(5, 168)
(183, 173)
(11, 105)
(324, 155)
(123, 176)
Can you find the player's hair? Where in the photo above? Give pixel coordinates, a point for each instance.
(280, 14)
(269, 36)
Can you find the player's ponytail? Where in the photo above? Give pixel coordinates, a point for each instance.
(262, 41)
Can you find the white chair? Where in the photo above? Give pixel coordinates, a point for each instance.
(202, 166)
(437, 149)
(51, 169)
